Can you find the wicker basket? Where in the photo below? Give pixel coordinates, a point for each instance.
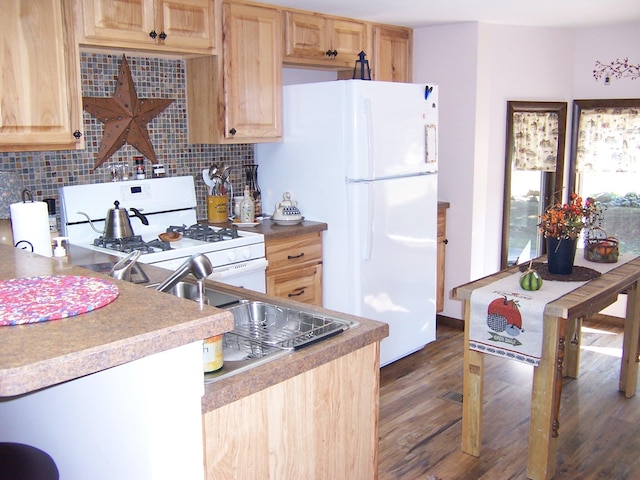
(600, 248)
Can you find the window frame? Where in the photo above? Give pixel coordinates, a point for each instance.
(578, 106)
(552, 182)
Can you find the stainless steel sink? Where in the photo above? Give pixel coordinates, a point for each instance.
(214, 298)
(284, 327)
(262, 331)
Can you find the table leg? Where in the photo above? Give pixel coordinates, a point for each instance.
(631, 343)
(472, 395)
(571, 365)
(545, 402)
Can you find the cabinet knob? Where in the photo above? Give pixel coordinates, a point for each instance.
(331, 53)
(445, 241)
(153, 34)
(233, 131)
(77, 134)
(163, 36)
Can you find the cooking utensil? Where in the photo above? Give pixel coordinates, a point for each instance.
(117, 223)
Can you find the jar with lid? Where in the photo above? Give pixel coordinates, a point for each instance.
(158, 170)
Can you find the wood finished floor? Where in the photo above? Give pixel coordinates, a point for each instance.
(420, 419)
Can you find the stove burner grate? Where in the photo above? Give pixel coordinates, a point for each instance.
(129, 244)
(205, 233)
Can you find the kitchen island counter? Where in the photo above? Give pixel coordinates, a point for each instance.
(153, 411)
(139, 323)
(235, 387)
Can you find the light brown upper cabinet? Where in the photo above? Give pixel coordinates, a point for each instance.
(40, 88)
(237, 97)
(321, 40)
(177, 26)
(392, 55)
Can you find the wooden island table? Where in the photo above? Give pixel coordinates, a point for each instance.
(562, 320)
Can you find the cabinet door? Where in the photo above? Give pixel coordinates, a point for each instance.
(315, 39)
(306, 36)
(252, 48)
(348, 38)
(188, 24)
(441, 252)
(392, 59)
(121, 20)
(180, 26)
(320, 424)
(40, 88)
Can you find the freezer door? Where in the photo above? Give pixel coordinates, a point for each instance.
(394, 130)
(392, 267)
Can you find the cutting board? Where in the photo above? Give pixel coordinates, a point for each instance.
(40, 299)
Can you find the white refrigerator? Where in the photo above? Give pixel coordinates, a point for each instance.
(362, 157)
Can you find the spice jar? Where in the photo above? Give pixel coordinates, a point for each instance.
(158, 170)
(140, 173)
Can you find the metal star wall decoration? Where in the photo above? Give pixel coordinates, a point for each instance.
(125, 117)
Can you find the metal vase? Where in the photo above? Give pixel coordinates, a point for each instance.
(561, 254)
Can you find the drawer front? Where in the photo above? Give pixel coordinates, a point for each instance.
(300, 284)
(294, 251)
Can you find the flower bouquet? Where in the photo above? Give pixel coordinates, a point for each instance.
(567, 221)
(561, 225)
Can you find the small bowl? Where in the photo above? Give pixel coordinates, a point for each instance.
(170, 236)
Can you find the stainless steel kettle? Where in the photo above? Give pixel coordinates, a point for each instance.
(117, 224)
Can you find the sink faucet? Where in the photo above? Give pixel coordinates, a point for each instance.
(198, 265)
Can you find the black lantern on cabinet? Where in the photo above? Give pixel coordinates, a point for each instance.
(361, 70)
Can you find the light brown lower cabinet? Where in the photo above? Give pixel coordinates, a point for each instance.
(441, 250)
(320, 424)
(295, 268)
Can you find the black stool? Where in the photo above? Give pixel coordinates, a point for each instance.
(23, 462)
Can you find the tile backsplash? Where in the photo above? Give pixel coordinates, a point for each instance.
(44, 172)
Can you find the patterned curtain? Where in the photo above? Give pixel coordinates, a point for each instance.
(609, 140)
(535, 141)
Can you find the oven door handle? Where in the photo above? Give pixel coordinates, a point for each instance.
(221, 273)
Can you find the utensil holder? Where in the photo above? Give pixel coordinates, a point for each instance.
(217, 208)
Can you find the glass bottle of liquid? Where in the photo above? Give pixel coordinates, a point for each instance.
(251, 177)
(247, 208)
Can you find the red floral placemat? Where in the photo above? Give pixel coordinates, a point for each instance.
(40, 299)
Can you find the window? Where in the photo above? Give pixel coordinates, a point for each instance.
(534, 164)
(605, 164)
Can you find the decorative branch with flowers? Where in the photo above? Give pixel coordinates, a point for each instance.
(618, 69)
(567, 221)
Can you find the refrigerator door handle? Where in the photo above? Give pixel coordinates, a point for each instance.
(368, 118)
(367, 248)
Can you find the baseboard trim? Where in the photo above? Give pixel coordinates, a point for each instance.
(450, 322)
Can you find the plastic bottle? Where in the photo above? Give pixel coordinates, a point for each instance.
(59, 251)
(247, 208)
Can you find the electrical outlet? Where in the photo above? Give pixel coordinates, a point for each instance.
(607, 80)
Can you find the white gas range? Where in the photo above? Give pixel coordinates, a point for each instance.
(169, 204)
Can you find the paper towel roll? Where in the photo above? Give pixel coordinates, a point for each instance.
(30, 226)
